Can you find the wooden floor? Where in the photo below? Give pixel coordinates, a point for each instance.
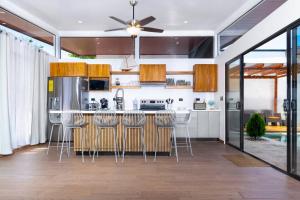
(32, 175)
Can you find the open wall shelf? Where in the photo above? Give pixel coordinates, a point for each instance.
(180, 73)
(125, 87)
(179, 87)
(125, 73)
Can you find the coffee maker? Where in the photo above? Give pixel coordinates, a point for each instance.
(104, 103)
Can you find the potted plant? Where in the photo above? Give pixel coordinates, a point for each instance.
(256, 126)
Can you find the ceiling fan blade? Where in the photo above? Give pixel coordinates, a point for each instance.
(147, 20)
(115, 29)
(150, 29)
(118, 20)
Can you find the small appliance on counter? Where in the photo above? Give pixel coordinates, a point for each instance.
(152, 104)
(103, 103)
(119, 99)
(94, 105)
(169, 102)
(54, 103)
(198, 105)
(135, 104)
(181, 105)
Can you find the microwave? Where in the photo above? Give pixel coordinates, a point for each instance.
(98, 84)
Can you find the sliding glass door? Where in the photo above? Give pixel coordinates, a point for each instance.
(266, 80)
(233, 103)
(295, 102)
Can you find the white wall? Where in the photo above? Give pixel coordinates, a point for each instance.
(283, 16)
(154, 92)
(259, 94)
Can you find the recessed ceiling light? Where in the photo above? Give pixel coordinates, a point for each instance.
(185, 21)
(98, 43)
(3, 23)
(2, 12)
(177, 43)
(80, 22)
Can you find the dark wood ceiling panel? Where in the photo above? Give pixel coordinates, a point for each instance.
(16, 23)
(190, 46)
(88, 46)
(248, 21)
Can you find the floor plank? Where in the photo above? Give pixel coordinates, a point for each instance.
(31, 174)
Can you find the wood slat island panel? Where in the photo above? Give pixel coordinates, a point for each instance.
(133, 137)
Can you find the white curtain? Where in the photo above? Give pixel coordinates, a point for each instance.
(23, 89)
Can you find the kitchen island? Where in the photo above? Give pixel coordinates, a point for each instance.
(133, 138)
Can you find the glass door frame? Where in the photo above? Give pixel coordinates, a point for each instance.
(291, 97)
(241, 91)
(292, 53)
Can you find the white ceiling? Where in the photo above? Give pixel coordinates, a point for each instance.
(170, 14)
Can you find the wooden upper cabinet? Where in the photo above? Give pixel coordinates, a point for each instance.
(99, 70)
(205, 78)
(68, 69)
(153, 73)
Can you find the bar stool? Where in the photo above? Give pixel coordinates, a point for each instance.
(166, 119)
(72, 120)
(55, 120)
(183, 120)
(134, 119)
(106, 119)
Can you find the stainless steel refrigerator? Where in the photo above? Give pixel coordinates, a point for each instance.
(66, 93)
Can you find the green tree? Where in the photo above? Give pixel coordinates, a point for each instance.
(82, 57)
(256, 126)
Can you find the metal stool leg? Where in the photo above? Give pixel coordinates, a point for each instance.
(115, 145)
(175, 143)
(117, 140)
(98, 140)
(82, 144)
(124, 142)
(58, 136)
(156, 142)
(186, 140)
(143, 142)
(50, 138)
(62, 144)
(171, 143)
(96, 147)
(69, 142)
(189, 140)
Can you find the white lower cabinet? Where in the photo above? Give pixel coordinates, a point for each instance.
(214, 124)
(204, 124)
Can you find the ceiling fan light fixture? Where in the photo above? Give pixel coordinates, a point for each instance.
(133, 30)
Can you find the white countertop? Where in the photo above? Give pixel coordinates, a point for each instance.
(121, 112)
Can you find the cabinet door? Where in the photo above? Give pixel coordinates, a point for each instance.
(54, 67)
(153, 73)
(203, 119)
(205, 78)
(99, 70)
(193, 126)
(214, 124)
(79, 69)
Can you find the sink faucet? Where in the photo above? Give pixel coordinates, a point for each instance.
(119, 99)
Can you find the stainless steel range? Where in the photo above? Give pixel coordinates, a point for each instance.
(152, 104)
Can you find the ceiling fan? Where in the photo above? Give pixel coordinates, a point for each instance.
(134, 27)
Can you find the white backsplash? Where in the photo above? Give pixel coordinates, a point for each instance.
(152, 91)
